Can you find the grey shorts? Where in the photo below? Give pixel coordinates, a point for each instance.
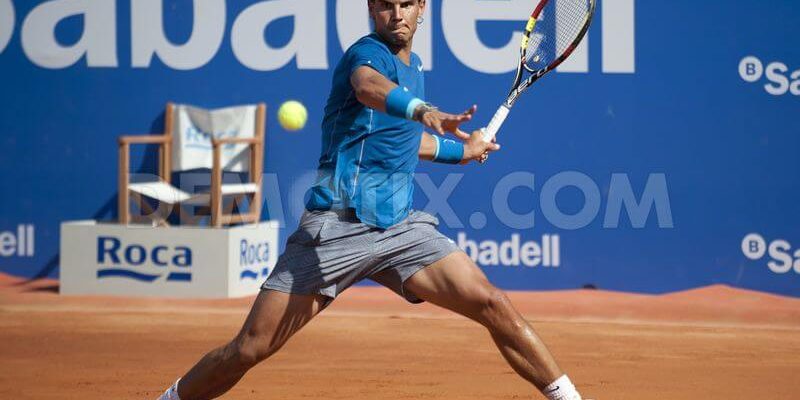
(332, 250)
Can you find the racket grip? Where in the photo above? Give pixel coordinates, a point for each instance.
(494, 125)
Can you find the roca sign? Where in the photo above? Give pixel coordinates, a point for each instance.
(307, 47)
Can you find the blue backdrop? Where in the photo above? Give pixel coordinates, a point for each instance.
(642, 169)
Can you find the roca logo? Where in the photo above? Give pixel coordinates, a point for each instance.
(135, 261)
(780, 80)
(755, 247)
(253, 258)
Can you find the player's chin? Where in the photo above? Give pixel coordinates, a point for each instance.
(400, 37)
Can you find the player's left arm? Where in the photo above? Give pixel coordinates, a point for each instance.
(474, 147)
(427, 147)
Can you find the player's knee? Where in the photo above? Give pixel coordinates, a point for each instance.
(496, 306)
(250, 350)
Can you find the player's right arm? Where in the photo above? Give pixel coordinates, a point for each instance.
(373, 89)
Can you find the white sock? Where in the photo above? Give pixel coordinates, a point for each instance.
(171, 393)
(561, 389)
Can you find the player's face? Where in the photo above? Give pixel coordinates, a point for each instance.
(396, 20)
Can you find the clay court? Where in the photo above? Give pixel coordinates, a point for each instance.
(710, 343)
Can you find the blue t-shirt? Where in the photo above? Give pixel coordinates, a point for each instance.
(368, 157)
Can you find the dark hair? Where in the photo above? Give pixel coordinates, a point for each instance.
(418, 1)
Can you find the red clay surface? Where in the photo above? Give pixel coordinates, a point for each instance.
(710, 343)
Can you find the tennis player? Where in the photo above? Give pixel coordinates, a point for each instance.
(359, 223)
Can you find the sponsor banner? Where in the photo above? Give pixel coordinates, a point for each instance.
(783, 258)
(779, 79)
(254, 253)
(640, 165)
(512, 253)
(112, 259)
(18, 243)
(21, 249)
(141, 28)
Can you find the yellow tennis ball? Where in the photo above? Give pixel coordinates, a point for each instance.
(292, 115)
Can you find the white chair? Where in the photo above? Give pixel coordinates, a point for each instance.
(222, 140)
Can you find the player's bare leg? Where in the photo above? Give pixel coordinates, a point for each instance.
(457, 284)
(274, 318)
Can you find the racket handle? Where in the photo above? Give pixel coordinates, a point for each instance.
(494, 125)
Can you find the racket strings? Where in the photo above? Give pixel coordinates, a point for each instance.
(559, 24)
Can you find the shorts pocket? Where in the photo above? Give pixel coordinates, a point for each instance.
(306, 235)
(336, 231)
(423, 217)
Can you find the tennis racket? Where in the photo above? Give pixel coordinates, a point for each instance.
(554, 30)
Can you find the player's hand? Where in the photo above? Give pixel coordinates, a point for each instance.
(442, 122)
(475, 148)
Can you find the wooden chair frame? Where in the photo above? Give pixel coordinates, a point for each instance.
(219, 217)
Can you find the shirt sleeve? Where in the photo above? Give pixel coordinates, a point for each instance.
(371, 55)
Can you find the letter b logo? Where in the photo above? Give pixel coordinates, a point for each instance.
(751, 69)
(754, 246)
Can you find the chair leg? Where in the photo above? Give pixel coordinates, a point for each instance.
(216, 218)
(124, 208)
(216, 210)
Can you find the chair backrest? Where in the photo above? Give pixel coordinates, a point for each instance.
(193, 127)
